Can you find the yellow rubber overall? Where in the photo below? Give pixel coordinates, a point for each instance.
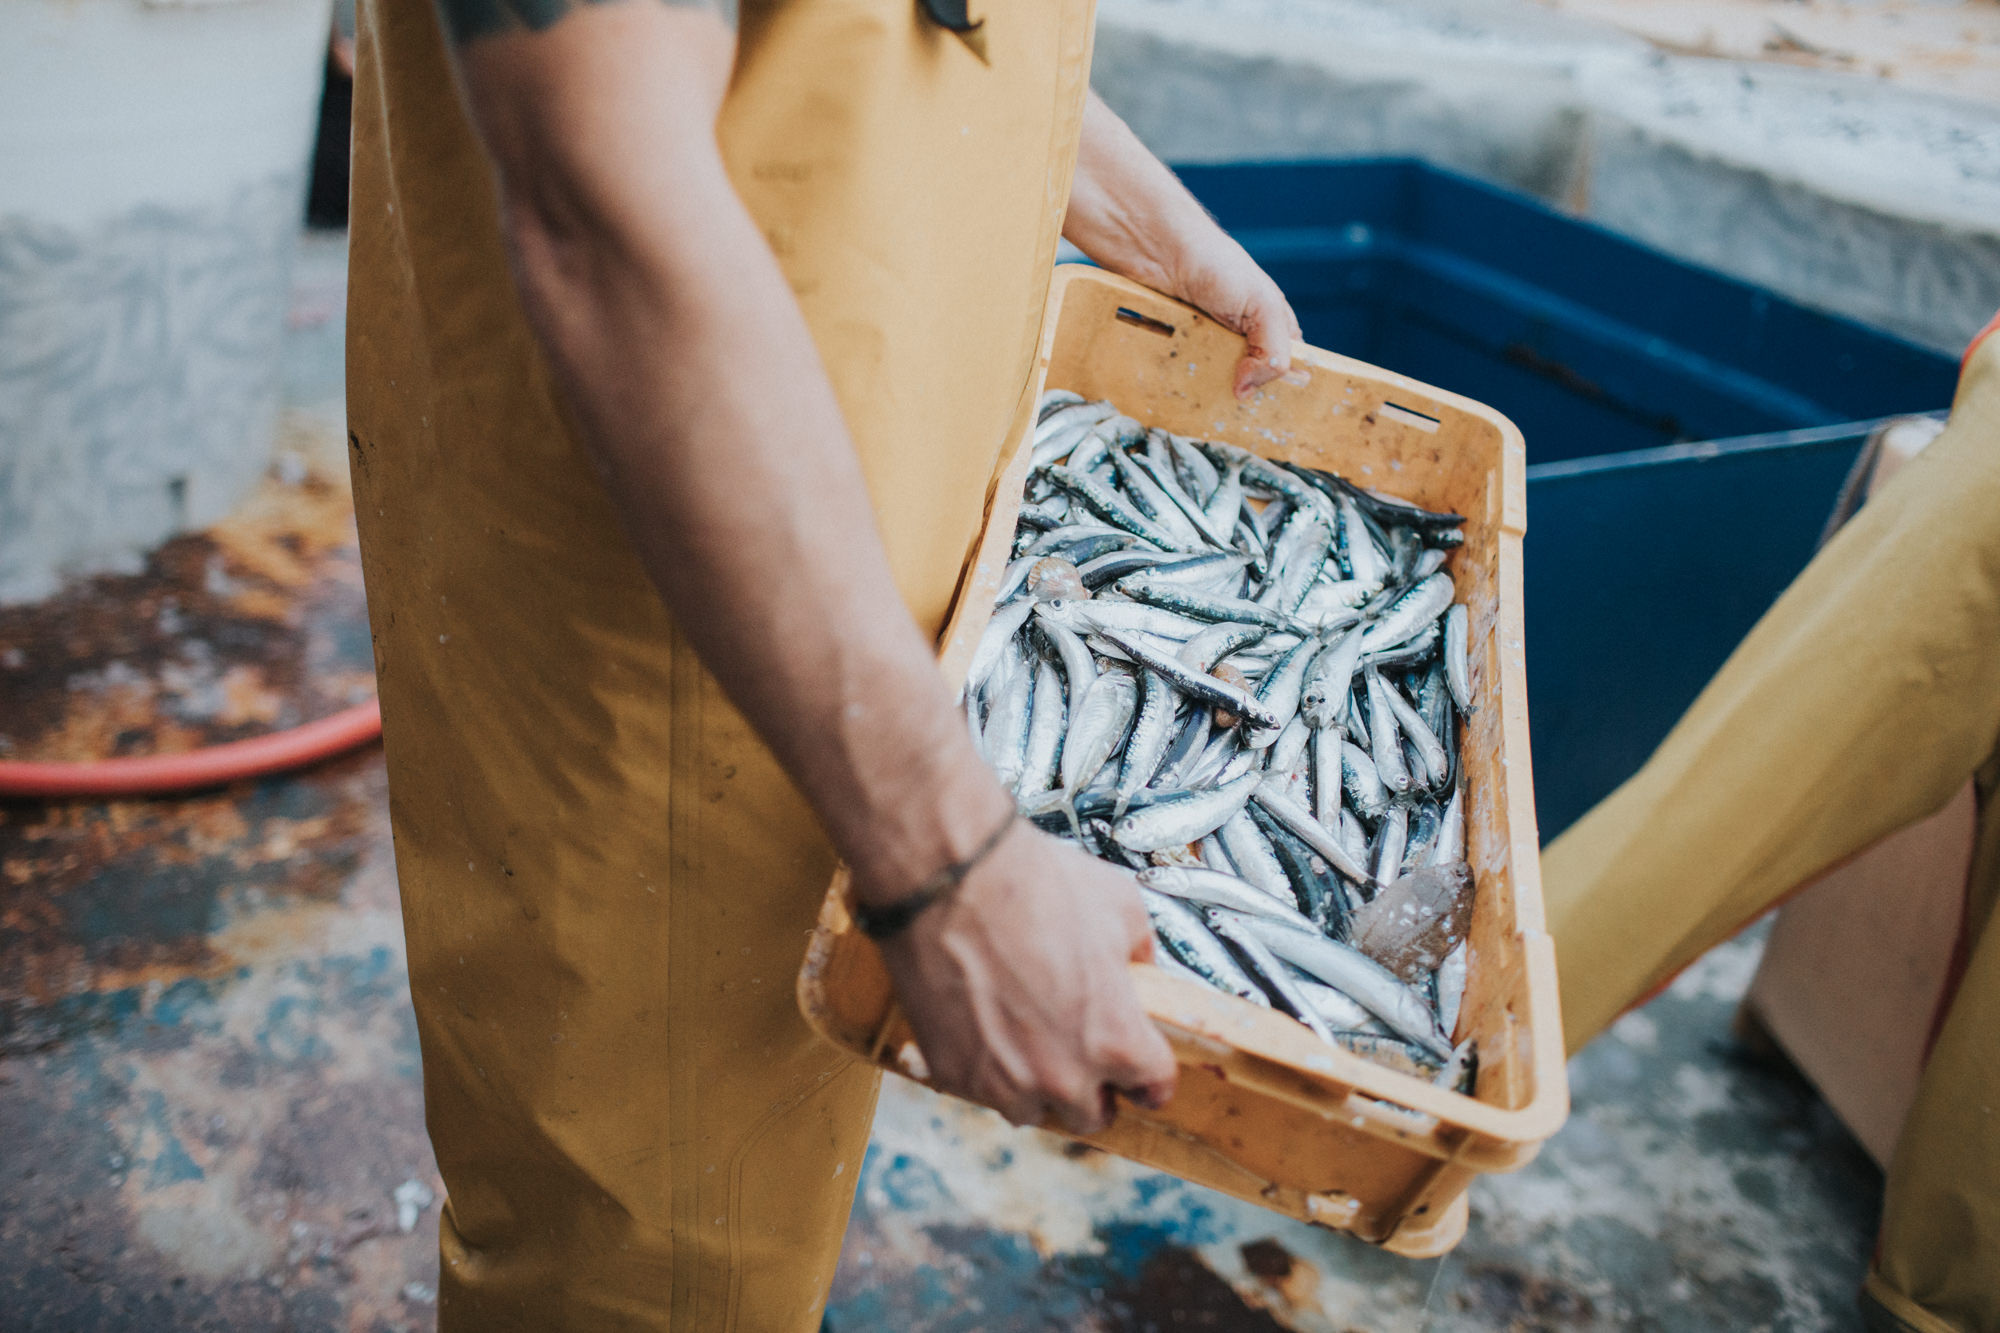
(607, 882)
(1861, 702)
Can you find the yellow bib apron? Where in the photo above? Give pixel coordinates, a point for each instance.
(1860, 703)
(607, 882)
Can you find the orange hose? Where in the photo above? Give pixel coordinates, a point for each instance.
(191, 770)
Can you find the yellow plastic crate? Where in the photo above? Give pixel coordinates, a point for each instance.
(1265, 1110)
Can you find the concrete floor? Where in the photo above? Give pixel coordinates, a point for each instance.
(1760, 138)
(209, 1089)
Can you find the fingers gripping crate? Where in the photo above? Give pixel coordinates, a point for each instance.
(1265, 1110)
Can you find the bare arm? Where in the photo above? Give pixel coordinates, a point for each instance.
(697, 386)
(1129, 213)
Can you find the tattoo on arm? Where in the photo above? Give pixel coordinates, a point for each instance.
(467, 19)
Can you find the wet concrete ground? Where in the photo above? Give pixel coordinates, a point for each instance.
(212, 1117)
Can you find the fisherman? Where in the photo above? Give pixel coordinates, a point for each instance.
(1861, 702)
(680, 353)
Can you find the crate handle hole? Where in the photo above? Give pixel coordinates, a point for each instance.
(1409, 416)
(1130, 316)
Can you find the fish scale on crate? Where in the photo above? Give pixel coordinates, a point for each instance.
(1242, 679)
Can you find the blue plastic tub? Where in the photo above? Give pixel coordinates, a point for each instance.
(1648, 556)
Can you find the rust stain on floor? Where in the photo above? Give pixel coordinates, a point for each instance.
(209, 1082)
(255, 623)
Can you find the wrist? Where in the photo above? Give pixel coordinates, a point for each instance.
(884, 922)
(923, 820)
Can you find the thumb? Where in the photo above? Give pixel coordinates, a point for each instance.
(1268, 328)
(1145, 1070)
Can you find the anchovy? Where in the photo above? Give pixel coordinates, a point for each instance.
(1365, 563)
(1198, 684)
(1245, 760)
(1330, 604)
(1426, 823)
(1210, 851)
(1187, 746)
(1096, 727)
(1079, 667)
(1057, 443)
(1389, 843)
(1014, 579)
(1217, 889)
(1313, 833)
(1221, 751)
(1387, 749)
(1115, 565)
(1251, 853)
(1335, 1009)
(1054, 400)
(1280, 689)
(1203, 476)
(1457, 673)
(1049, 514)
(994, 641)
(1108, 505)
(1225, 502)
(1290, 746)
(1428, 747)
(1264, 967)
(1100, 615)
(1112, 432)
(1189, 939)
(1050, 714)
(1211, 645)
(1388, 509)
(1297, 558)
(1268, 476)
(1363, 784)
(1404, 548)
(1055, 540)
(1174, 967)
(1327, 779)
(1408, 653)
(1411, 612)
(1150, 735)
(1328, 679)
(1394, 1053)
(1206, 570)
(1352, 836)
(1175, 821)
(1461, 1072)
(1193, 602)
(1007, 725)
(1149, 499)
(1319, 892)
(1450, 845)
(1190, 512)
(1451, 987)
(1358, 977)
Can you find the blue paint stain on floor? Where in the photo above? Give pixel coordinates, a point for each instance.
(1693, 1190)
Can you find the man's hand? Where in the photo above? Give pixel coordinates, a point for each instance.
(1018, 992)
(1129, 213)
(1217, 276)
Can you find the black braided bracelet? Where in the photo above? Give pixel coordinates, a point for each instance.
(881, 923)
